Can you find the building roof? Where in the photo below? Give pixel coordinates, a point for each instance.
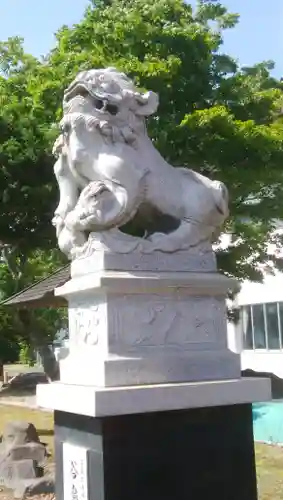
(41, 294)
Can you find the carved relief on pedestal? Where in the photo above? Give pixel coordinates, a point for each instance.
(141, 321)
(85, 320)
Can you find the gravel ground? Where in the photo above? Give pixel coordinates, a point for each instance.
(8, 495)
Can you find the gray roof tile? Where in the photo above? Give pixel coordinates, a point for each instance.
(41, 294)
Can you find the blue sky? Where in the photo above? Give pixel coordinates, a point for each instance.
(259, 35)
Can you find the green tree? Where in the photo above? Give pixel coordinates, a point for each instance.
(26, 177)
(33, 328)
(28, 198)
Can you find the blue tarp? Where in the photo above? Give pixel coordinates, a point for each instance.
(268, 422)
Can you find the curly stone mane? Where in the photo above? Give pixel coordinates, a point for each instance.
(111, 130)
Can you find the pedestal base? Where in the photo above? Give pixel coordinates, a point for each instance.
(162, 368)
(110, 401)
(180, 455)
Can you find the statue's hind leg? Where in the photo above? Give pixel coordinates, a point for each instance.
(187, 235)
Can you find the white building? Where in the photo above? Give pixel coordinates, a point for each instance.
(258, 336)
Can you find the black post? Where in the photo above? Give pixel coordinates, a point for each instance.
(193, 454)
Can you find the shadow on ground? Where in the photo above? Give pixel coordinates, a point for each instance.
(259, 410)
(23, 384)
(45, 432)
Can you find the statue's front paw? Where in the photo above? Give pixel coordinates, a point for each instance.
(162, 242)
(71, 220)
(156, 237)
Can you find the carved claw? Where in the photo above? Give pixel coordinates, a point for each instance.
(163, 243)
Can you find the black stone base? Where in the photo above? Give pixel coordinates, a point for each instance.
(194, 454)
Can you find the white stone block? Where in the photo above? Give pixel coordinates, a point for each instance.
(101, 402)
(147, 327)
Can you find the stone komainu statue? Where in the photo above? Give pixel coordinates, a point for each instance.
(110, 173)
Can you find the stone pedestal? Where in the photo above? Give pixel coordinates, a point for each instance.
(145, 326)
(151, 403)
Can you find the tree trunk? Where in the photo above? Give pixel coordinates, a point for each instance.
(15, 261)
(49, 362)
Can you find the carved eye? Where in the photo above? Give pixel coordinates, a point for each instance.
(98, 103)
(112, 109)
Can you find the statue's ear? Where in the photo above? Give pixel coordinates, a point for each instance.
(147, 103)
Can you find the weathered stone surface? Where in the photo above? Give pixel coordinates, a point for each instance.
(22, 456)
(40, 486)
(19, 433)
(13, 472)
(33, 451)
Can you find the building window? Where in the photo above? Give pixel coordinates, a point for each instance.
(247, 327)
(272, 325)
(262, 325)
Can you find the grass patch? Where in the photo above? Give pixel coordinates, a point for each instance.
(42, 420)
(269, 464)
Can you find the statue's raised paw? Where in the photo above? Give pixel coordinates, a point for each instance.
(101, 205)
